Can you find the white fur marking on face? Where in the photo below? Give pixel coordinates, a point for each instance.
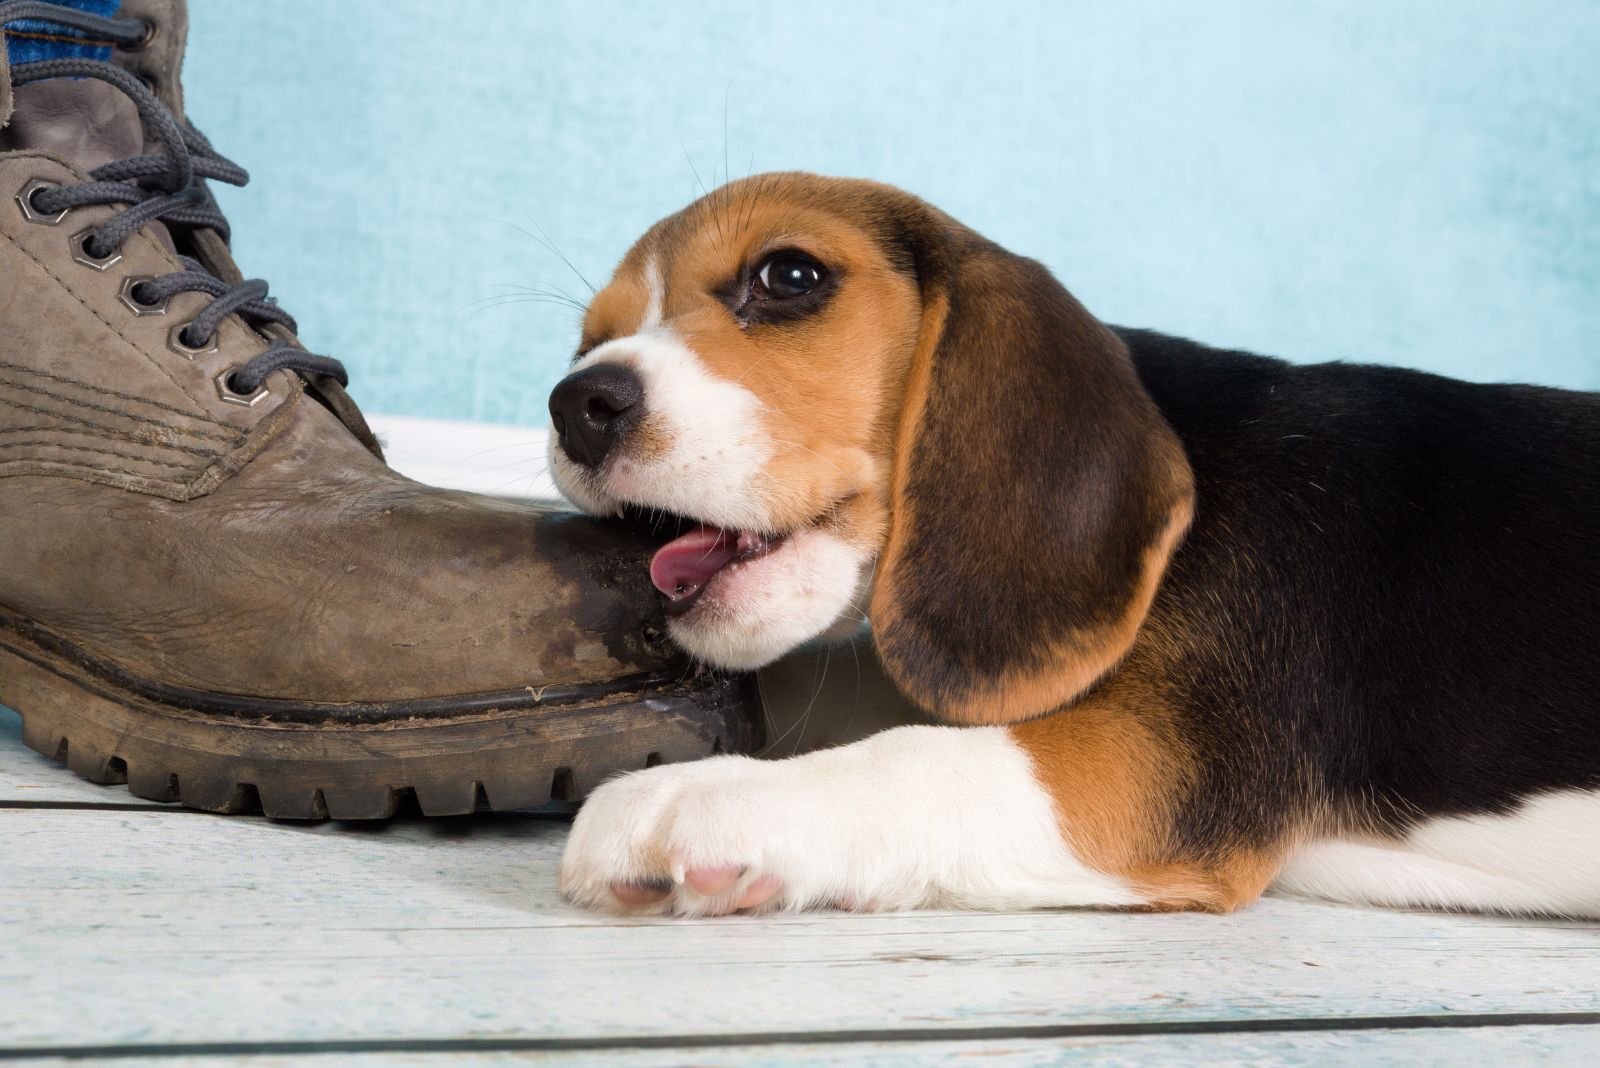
(915, 817)
(656, 287)
(1542, 858)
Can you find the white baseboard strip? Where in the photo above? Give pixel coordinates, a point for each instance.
(506, 461)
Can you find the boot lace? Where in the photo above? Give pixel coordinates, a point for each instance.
(167, 186)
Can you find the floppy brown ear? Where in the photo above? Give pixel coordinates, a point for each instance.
(1037, 493)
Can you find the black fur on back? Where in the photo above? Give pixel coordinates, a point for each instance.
(1390, 596)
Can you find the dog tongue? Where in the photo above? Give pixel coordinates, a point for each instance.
(684, 564)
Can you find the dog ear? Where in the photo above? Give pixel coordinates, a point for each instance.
(1037, 491)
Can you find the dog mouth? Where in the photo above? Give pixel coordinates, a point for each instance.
(684, 567)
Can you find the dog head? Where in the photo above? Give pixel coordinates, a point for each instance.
(861, 408)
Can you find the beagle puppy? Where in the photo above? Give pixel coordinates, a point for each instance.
(1201, 622)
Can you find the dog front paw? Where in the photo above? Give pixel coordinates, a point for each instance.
(915, 817)
(722, 835)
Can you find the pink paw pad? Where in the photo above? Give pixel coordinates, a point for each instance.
(759, 892)
(713, 882)
(646, 892)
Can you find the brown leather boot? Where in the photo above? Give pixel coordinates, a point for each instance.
(212, 586)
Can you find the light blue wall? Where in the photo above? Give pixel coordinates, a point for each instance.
(1414, 183)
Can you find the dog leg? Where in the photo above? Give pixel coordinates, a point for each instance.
(1543, 857)
(915, 817)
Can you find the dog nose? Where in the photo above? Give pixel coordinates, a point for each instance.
(592, 409)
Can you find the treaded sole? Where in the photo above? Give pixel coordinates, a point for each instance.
(500, 760)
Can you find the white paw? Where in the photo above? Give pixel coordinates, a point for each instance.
(911, 818)
(714, 837)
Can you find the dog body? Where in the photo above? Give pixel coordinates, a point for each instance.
(1210, 621)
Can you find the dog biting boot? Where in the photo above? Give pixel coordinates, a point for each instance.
(213, 588)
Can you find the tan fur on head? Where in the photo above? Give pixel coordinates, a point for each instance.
(826, 383)
(944, 412)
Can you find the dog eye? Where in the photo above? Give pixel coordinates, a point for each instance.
(787, 275)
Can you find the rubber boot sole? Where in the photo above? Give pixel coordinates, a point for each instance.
(286, 760)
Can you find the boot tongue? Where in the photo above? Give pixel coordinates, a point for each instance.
(86, 122)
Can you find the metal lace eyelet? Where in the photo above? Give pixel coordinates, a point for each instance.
(176, 343)
(230, 395)
(151, 30)
(81, 253)
(131, 299)
(33, 214)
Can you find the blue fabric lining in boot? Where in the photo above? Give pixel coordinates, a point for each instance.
(31, 39)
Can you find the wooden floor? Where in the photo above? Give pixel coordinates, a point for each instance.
(155, 935)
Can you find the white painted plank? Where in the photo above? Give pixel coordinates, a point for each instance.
(166, 927)
(1370, 1049)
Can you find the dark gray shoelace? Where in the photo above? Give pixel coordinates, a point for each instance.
(167, 187)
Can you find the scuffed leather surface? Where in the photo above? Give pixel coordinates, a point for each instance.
(318, 574)
(90, 389)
